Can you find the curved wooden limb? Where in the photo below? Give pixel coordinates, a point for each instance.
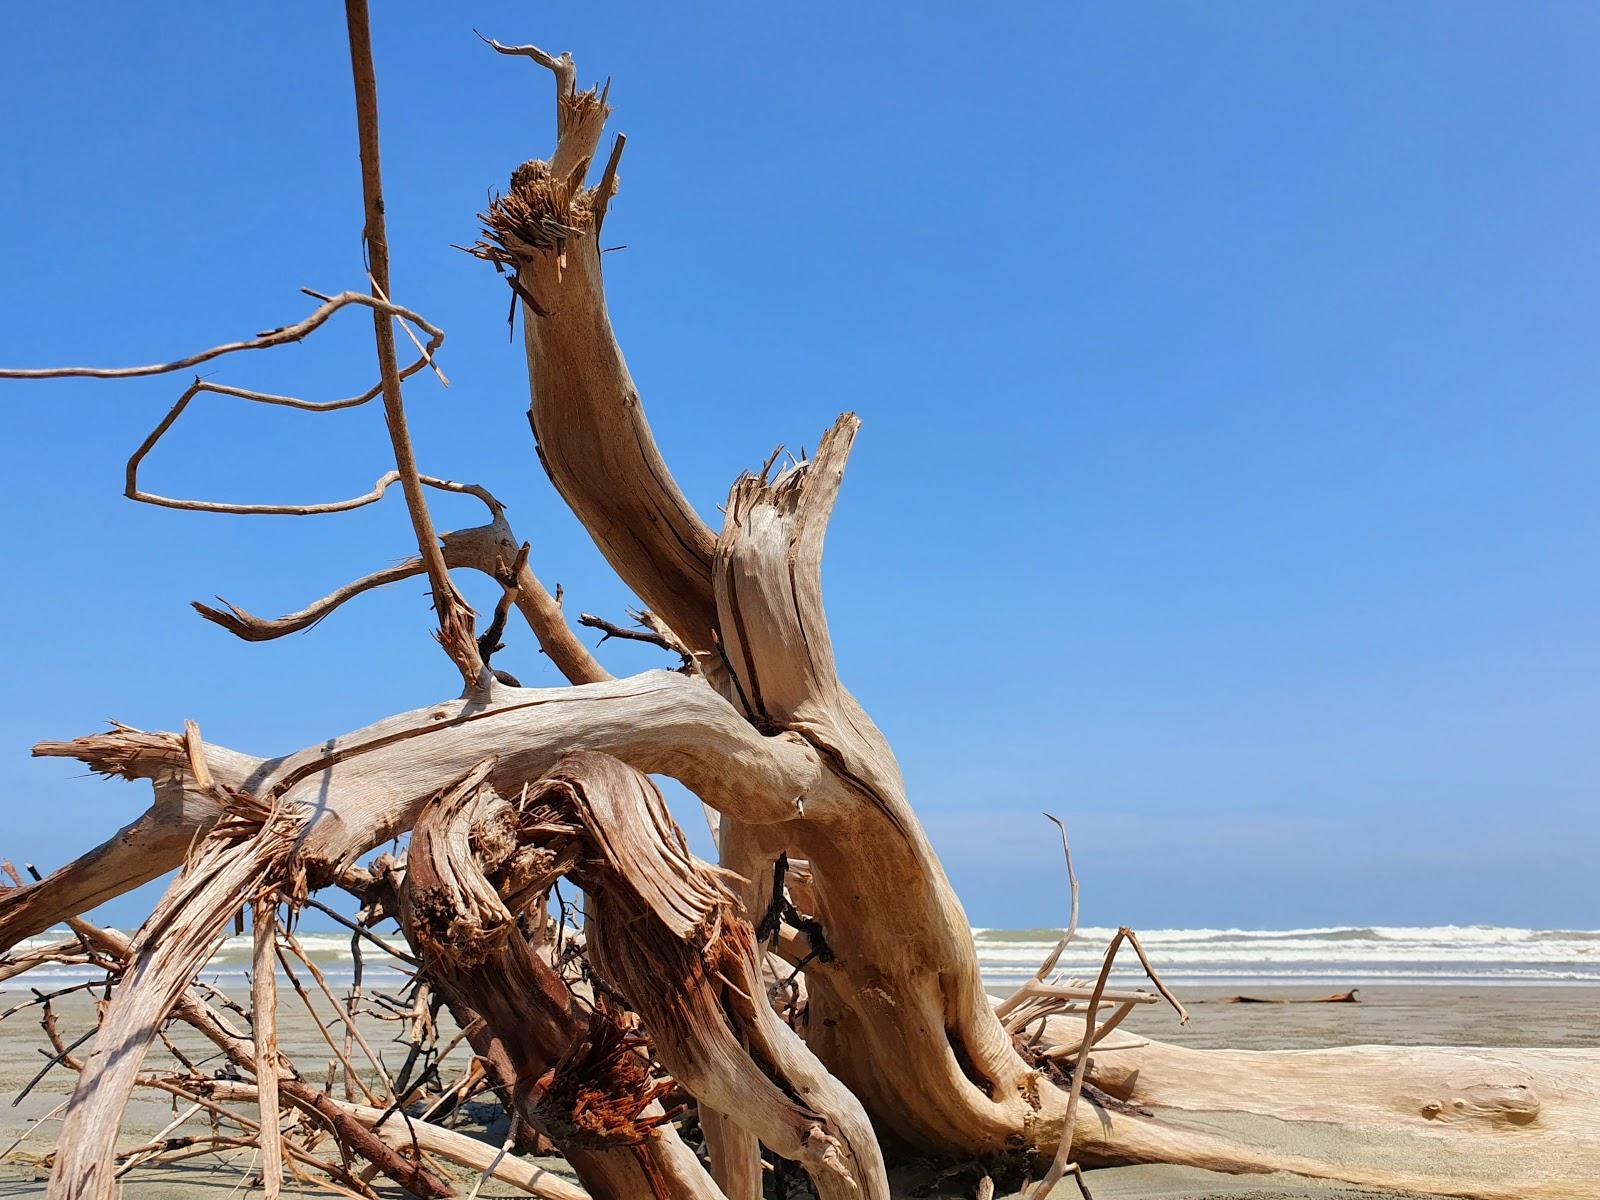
(664, 931)
(570, 1075)
(590, 429)
(364, 788)
(262, 341)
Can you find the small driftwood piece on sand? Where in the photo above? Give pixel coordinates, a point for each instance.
(813, 1002)
(1337, 998)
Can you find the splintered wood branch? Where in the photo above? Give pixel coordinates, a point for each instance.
(890, 981)
(589, 426)
(453, 612)
(571, 1076)
(768, 587)
(140, 851)
(664, 931)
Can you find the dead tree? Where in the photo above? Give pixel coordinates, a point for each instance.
(823, 860)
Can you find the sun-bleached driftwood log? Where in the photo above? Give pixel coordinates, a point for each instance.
(1498, 1123)
(750, 601)
(892, 1032)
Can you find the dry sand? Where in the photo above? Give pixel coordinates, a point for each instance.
(1480, 1016)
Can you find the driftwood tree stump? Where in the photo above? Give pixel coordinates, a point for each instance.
(817, 994)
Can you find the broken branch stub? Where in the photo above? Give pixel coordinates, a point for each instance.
(589, 427)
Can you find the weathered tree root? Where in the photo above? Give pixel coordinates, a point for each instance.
(570, 1074)
(896, 1020)
(664, 931)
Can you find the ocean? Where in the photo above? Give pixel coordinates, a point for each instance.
(1335, 957)
(1340, 956)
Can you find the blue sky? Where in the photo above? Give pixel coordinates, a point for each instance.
(1228, 481)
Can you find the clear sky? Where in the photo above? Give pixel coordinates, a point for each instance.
(1228, 483)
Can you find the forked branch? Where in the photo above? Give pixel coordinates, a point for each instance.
(483, 548)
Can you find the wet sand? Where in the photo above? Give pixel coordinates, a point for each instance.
(1476, 1016)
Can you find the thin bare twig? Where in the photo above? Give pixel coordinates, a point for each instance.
(322, 1028)
(1080, 1069)
(648, 633)
(360, 930)
(1011, 1003)
(565, 70)
(510, 584)
(607, 186)
(262, 341)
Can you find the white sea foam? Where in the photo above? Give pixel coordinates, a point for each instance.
(1347, 955)
(1352, 954)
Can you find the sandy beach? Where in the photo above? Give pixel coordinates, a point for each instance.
(1477, 1016)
